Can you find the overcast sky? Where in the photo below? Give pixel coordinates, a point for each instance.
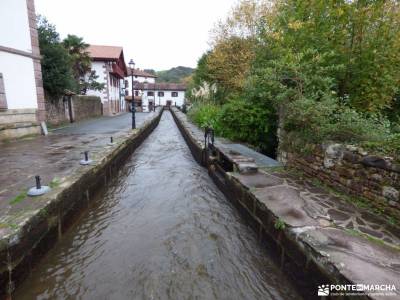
(157, 34)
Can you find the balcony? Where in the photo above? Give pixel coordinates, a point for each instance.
(137, 98)
(116, 70)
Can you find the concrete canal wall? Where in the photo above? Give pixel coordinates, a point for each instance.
(35, 234)
(310, 242)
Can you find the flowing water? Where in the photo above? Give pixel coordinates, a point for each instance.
(162, 230)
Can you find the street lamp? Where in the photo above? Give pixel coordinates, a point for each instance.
(133, 109)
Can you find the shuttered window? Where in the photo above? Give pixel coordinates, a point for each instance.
(3, 99)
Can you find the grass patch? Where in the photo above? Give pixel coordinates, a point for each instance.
(9, 225)
(279, 224)
(19, 198)
(372, 239)
(55, 182)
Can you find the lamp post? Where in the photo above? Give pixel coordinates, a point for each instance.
(154, 96)
(133, 109)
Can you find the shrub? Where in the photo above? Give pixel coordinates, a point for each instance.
(205, 115)
(250, 123)
(316, 121)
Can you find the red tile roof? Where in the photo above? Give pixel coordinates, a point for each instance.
(97, 52)
(141, 73)
(160, 86)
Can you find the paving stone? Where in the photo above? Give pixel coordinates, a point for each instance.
(370, 231)
(355, 257)
(286, 203)
(338, 215)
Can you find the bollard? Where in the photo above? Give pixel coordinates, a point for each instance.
(86, 161)
(38, 189)
(38, 185)
(111, 142)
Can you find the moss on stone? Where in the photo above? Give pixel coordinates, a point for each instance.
(279, 224)
(55, 182)
(19, 198)
(370, 238)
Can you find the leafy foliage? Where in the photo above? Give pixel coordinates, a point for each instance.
(66, 65)
(81, 64)
(206, 115)
(249, 123)
(56, 62)
(309, 70)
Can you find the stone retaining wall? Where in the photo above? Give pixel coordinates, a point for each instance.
(355, 172)
(21, 249)
(83, 107)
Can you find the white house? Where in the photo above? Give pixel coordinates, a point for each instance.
(138, 76)
(148, 92)
(109, 64)
(22, 105)
(159, 94)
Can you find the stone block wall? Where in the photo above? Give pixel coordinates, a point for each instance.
(354, 172)
(83, 107)
(56, 111)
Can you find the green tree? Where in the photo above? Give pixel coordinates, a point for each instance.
(56, 62)
(358, 40)
(85, 78)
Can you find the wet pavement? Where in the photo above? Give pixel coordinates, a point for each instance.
(161, 231)
(102, 125)
(52, 157)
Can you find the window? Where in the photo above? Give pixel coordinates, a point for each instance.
(150, 94)
(136, 93)
(160, 94)
(126, 83)
(126, 93)
(3, 99)
(174, 94)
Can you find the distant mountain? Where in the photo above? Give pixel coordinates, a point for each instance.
(150, 71)
(174, 75)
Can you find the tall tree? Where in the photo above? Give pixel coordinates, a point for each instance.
(56, 62)
(81, 64)
(76, 48)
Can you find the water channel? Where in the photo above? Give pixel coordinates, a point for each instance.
(162, 230)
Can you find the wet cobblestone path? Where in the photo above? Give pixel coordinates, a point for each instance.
(162, 230)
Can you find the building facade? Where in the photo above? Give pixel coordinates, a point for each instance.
(158, 94)
(22, 104)
(109, 64)
(149, 93)
(139, 76)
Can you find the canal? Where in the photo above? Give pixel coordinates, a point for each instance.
(161, 230)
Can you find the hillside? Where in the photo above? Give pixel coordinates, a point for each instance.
(174, 75)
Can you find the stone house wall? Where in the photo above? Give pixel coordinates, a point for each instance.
(354, 172)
